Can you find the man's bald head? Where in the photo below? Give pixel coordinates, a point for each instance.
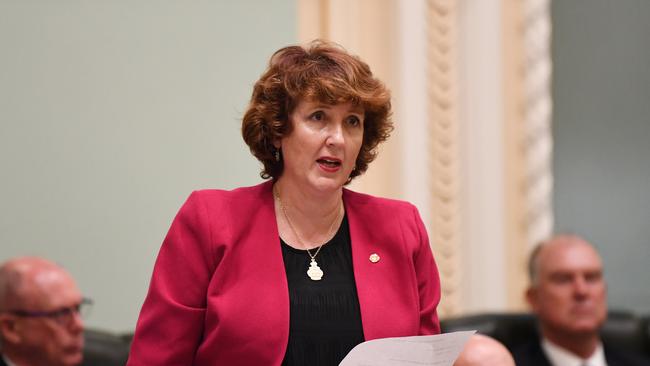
(482, 350)
(40, 322)
(551, 246)
(21, 278)
(568, 293)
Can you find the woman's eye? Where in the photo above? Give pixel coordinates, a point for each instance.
(317, 116)
(354, 121)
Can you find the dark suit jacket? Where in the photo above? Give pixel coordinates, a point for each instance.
(532, 354)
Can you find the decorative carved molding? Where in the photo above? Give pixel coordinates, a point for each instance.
(527, 148)
(537, 144)
(444, 150)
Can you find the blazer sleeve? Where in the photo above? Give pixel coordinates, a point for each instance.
(428, 280)
(170, 325)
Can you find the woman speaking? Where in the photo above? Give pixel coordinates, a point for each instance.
(297, 270)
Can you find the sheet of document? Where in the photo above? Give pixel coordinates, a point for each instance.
(434, 350)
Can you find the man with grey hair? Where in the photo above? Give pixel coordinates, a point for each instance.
(40, 322)
(569, 296)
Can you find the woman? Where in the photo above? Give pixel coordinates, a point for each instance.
(296, 270)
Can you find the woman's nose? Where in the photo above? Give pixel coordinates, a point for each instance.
(335, 134)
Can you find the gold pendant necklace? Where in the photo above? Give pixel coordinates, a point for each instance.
(314, 272)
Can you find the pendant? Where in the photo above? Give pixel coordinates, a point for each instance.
(314, 272)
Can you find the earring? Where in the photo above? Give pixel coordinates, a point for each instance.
(277, 155)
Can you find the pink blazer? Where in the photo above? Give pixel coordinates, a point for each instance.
(219, 295)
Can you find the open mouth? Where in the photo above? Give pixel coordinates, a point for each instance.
(330, 163)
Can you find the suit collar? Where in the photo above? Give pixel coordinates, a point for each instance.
(561, 356)
(369, 277)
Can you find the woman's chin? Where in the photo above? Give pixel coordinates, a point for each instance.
(328, 184)
(316, 182)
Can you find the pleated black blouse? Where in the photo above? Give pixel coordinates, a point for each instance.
(325, 319)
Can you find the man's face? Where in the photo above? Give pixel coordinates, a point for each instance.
(52, 340)
(570, 294)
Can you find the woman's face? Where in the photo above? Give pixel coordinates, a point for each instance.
(321, 150)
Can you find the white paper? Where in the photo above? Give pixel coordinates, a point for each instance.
(434, 350)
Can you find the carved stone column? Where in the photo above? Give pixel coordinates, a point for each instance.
(444, 150)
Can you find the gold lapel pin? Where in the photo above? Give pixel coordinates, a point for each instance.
(374, 258)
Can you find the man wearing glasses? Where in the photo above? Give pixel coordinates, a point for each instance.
(40, 319)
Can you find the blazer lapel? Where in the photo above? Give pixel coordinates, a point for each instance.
(370, 277)
(266, 277)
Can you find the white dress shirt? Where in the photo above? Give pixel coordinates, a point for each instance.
(559, 356)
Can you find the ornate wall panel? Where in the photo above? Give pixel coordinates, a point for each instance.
(444, 149)
(528, 149)
(538, 108)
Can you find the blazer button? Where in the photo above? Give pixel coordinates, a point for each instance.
(374, 258)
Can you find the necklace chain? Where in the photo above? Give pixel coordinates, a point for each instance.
(295, 232)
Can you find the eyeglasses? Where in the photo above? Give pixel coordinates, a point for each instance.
(62, 316)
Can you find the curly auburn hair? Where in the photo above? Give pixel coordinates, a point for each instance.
(322, 71)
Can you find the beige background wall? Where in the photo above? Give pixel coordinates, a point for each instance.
(111, 113)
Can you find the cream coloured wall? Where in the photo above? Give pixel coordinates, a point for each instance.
(111, 113)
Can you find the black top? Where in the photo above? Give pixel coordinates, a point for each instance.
(325, 319)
